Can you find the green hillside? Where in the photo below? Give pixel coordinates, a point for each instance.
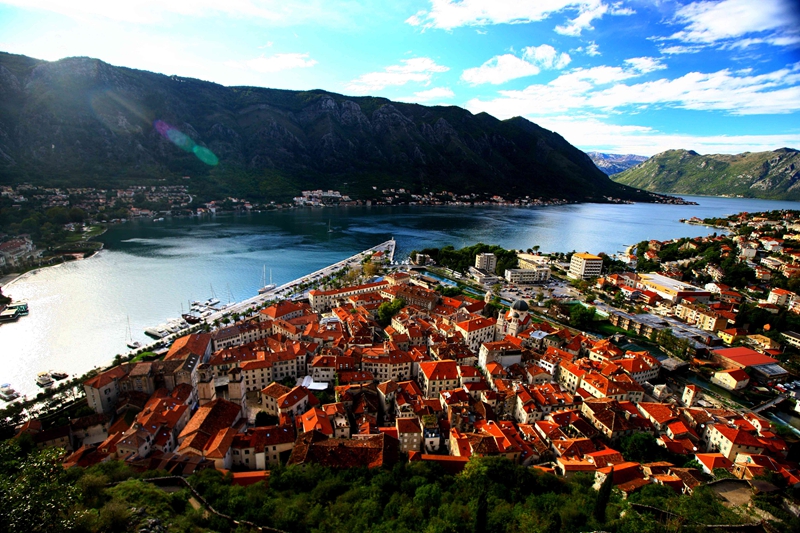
(80, 121)
(773, 175)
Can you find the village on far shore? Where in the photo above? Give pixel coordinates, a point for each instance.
(560, 362)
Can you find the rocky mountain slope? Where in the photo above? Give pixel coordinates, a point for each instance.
(615, 163)
(81, 121)
(773, 174)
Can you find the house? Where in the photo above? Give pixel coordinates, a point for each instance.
(733, 379)
(102, 390)
(262, 446)
(409, 433)
(436, 376)
(476, 331)
(729, 440)
(371, 451)
(712, 461)
(210, 432)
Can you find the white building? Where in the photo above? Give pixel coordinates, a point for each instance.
(527, 276)
(487, 262)
(585, 266)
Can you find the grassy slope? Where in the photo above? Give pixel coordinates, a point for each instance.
(751, 174)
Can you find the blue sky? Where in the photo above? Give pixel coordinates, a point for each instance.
(629, 76)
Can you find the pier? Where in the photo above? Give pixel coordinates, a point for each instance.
(284, 291)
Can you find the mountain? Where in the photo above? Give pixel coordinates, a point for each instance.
(615, 163)
(80, 121)
(774, 175)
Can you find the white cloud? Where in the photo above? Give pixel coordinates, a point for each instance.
(501, 69)
(645, 64)
(275, 63)
(596, 133)
(591, 49)
(588, 13)
(711, 22)
(430, 95)
(601, 88)
(149, 11)
(679, 49)
(418, 69)
(546, 56)
(450, 14)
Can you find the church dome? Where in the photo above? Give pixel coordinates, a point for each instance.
(520, 305)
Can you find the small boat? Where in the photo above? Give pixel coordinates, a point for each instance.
(132, 344)
(43, 379)
(330, 230)
(156, 332)
(266, 287)
(191, 318)
(21, 307)
(58, 375)
(7, 393)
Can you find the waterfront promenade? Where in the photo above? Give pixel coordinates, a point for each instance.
(285, 291)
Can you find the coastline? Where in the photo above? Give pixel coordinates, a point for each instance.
(10, 279)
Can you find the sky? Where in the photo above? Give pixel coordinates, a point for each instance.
(616, 76)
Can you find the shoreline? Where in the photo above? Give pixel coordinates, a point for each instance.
(259, 299)
(22, 275)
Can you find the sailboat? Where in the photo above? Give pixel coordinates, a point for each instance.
(266, 287)
(132, 344)
(191, 317)
(213, 300)
(330, 229)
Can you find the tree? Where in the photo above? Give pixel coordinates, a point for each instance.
(35, 492)
(387, 310)
(640, 447)
(480, 518)
(263, 419)
(603, 496)
(580, 317)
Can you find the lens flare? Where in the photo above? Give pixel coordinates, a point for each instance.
(205, 155)
(185, 143)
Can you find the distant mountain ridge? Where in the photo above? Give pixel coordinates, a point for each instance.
(612, 164)
(81, 121)
(770, 175)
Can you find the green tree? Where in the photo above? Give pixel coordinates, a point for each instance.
(35, 492)
(603, 496)
(387, 310)
(581, 317)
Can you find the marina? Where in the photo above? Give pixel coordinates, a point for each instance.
(210, 311)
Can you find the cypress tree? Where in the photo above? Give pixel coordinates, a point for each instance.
(603, 495)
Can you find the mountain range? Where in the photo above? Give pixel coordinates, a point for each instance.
(774, 174)
(82, 122)
(615, 163)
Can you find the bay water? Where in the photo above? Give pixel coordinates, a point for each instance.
(150, 271)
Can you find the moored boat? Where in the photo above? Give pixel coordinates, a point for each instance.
(191, 318)
(266, 287)
(58, 375)
(43, 379)
(21, 307)
(7, 393)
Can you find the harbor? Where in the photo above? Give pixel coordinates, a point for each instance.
(212, 311)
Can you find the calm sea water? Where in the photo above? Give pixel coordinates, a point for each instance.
(149, 271)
